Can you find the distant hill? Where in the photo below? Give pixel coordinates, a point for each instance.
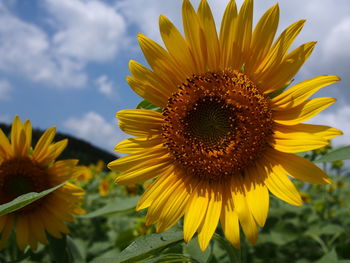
(76, 149)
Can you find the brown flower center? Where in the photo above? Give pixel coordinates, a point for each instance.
(20, 176)
(217, 124)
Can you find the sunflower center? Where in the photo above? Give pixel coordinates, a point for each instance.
(20, 176)
(217, 124)
(209, 121)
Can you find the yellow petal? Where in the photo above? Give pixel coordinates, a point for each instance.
(41, 148)
(22, 232)
(5, 146)
(262, 38)
(243, 34)
(227, 34)
(282, 187)
(195, 212)
(296, 167)
(229, 221)
(147, 91)
(133, 145)
(279, 49)
(6, 232)
(53, 151)
(27, 127)
(302, 112)
(211, 36)
(245, 216)
(137, 160)
(140, 122)
(161, 62)
(257, 195)
(174, 207)
(300, 92)
(53, 226)
(16, 129)
(212, 216)
(33, 243)
(176, 45)
(158, 204)
(62, 171)
(288, 141)
(322, 131)
(20, 146)
(194, 36)
(142, 174)
(156, 188)
(37, 228)
(290, 65)
(148, 81)
(149, 118)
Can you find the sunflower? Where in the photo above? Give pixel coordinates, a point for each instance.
(226, 133)
(24, 170)
(103, 187)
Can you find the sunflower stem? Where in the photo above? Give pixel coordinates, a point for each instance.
(233, 254)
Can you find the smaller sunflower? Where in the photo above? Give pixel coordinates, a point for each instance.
(24, 170)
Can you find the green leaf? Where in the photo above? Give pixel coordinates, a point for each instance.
(144, 247)
(58, 249)
(74, 250)
(330, 229)
(192, 249)
(123, 206)
(342, 153)
(24, 200)
(330, 257)
(279, 91)
(233, 254)
(146, 105)
(171, 258)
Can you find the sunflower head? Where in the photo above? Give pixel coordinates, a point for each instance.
(223, 139)
(24, 170)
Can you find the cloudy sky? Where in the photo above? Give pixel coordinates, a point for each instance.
(63, 62)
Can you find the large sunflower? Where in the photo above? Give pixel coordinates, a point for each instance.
(224, 139)
(24, 170)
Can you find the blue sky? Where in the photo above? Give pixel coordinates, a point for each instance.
(63, 62)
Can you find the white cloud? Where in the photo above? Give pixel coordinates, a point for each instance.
(5, 89)
(86, 30)
(338, 119)
(83, 32)
(145, 13)
(105, 86)
(25, 50)
(95, 129)
(338, 41)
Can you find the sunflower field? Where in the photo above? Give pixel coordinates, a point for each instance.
(111, 231)
(220, 164)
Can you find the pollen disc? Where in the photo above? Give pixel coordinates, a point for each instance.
(20, 176)
(217, 124)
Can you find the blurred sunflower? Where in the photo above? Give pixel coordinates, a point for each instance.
(24, 170)
(103, 187)
(226, 135)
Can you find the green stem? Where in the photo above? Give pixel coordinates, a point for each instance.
(233, 254)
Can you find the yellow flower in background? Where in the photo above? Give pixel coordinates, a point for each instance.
(24, 170)
(103, 187)
(223, 141)
(100, 166)
(84, 174)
